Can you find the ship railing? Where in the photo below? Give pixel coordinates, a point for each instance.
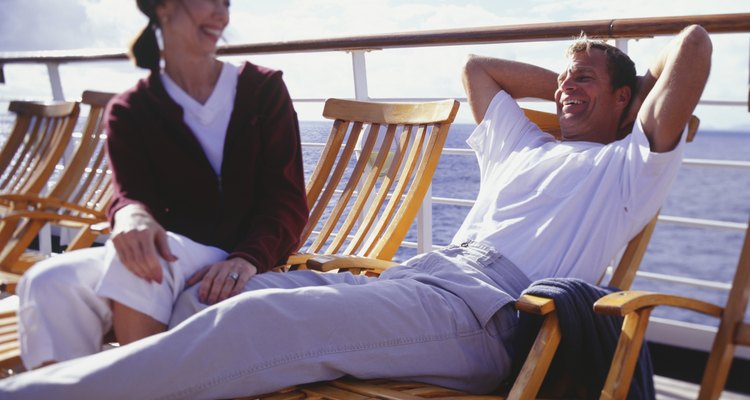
(619, 30)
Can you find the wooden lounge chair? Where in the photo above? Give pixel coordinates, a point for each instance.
(529, 381)
(366, 203)
(35, 144)
(636, 307)
(371, 176)
(76, 201)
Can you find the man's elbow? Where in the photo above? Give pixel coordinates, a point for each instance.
(472, 67)
(697, 42)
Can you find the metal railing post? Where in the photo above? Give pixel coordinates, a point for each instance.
(622, 44)
(424, 224)
(359, 70)
(53, 69)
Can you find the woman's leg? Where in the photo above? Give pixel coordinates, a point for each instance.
(60, 315)
(143, 308)
(267, 339)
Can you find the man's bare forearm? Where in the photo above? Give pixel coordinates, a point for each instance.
(672, 87)
(483, 77)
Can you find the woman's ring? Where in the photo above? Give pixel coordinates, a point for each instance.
(234, 276)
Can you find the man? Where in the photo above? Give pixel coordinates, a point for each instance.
(445, 317)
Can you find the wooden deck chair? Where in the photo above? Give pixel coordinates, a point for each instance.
(371, 176)
(636, 307)
(36, 142)
(529, 380)
(77, 200)
(376, 194)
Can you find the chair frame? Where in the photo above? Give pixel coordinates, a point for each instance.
(636, 307)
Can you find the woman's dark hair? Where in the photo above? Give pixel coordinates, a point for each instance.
(144, 50)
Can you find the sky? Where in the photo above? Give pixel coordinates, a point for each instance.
(431, 72)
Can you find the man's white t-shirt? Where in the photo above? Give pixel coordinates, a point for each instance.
(561, 209)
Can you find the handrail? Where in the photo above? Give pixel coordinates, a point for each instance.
(609, 28)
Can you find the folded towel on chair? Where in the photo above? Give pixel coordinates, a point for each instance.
(587, 345)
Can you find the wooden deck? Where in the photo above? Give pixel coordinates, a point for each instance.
(672, 389)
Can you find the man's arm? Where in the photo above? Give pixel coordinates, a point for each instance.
(671, 88)
(483, 77)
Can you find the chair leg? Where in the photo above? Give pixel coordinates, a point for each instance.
(626, 355)
(532, 374)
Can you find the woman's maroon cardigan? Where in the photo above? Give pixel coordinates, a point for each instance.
(255, 210)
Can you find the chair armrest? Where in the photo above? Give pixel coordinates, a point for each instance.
(8, 198)
(40, 203)
(329, 262)
(636, 306)
(627, 302)
(535, 304)
(54, 217)
(299, 258)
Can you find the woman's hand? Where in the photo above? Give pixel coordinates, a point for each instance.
(223, 279)
(139, 241)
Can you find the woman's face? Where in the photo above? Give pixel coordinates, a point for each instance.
(193, 26)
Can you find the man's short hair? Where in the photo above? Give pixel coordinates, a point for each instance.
(620, 67)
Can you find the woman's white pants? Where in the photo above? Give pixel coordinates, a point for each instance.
(65, 301)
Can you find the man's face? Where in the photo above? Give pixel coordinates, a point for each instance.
(587, 107)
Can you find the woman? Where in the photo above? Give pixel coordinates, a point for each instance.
(208, 185)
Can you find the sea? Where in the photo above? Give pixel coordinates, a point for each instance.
(703, 254)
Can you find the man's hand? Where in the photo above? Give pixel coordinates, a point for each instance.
(223, 279)
(139, 241)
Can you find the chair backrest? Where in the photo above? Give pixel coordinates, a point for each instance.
(81, 193)
(86, 176)
(373, 174)
(35, 144)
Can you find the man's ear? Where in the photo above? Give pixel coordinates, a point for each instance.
(623, 104)
(623, 95)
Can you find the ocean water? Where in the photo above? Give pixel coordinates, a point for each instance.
(699, 192)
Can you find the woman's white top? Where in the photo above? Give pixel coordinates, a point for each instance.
(209, 121)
